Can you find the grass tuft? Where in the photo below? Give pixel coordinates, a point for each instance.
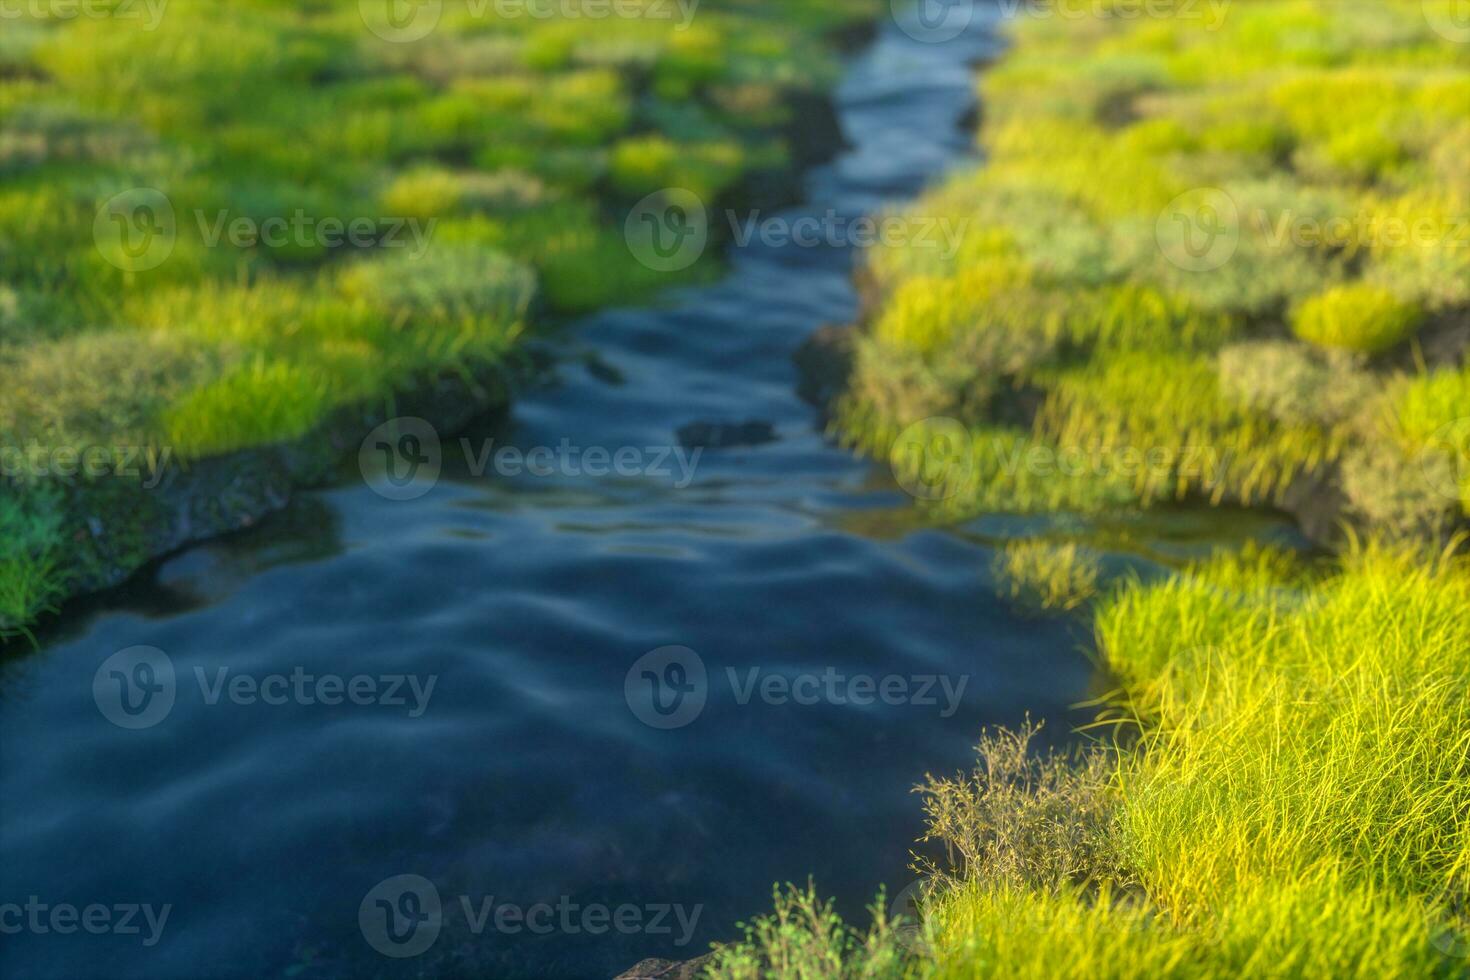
(1361, 318)
(1048, 575)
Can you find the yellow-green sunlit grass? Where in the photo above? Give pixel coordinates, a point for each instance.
(1283, 767)
(481, 165)
(1363, 318)
(1165, 198)
(1047, 574)
(1288, 800)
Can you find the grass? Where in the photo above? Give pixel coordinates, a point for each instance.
(1278, 781)
(30, 526)
(1190, 234)
(1283, 795)
(1362, 317)
(220, 227)
(511, 132)
(1048, 575)
(803, 937)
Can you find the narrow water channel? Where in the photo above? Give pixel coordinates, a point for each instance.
(528, 775)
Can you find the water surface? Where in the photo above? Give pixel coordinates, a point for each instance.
(528, 777)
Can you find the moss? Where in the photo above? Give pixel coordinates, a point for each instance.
(446, 285)
(472, 166)
(1402, 496)
(1295, 384)
(1161, 198)
(926, 313)
(1172, 407)
(98, 389)
(1282, 775)
(437, 193)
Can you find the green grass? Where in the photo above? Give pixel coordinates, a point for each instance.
(1284, 794)
(256, 403)
(1363, 318)
(30, 527)
(1429, 405)
(1165, 203)
(1048, 575)
(804, 938)
(334, 217)
(1279, 778)
(641, 165)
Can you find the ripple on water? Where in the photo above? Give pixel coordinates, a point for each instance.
(527, 601)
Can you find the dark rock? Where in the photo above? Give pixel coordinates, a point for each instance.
(1318, 504)
(603, 371)
(970, 121)
(813, 137)
(1445, 341)
(853, 36)
(824, 363)
(667, 969)
(133, 522)
(725, 435)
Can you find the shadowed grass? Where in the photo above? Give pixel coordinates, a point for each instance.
(30, 525)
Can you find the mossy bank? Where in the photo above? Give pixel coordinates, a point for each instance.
(234, 237)
(1221, 254)
(1236, 228)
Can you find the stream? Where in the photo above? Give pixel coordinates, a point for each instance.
(535, 722)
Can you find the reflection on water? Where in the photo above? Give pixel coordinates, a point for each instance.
(510, 770)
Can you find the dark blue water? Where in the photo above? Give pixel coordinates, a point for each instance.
(525, 776)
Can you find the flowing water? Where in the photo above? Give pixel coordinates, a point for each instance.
(539, 770)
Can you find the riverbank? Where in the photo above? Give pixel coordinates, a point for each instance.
(219, 296)
(531, 597)
(1206, 261)
(1191, 272)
